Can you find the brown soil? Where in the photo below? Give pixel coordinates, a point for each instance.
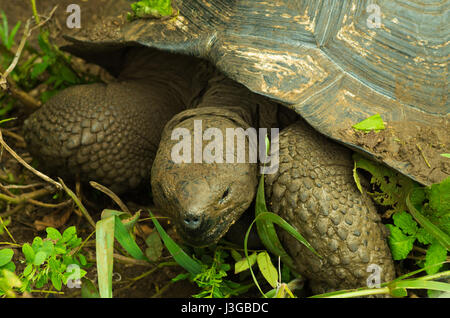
(411, 147)
(29, 220)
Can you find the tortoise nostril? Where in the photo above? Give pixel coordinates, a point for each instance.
(192, 222)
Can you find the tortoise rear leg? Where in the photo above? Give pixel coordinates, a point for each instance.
(314, 191)
(107, 133)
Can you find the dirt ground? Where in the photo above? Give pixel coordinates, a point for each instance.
(30, 220)
(410, 145)
(398, 141)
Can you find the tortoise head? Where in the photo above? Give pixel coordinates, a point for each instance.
(203, 199)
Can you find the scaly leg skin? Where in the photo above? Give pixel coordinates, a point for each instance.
(106, 133)
(110, 133)
(314, 191)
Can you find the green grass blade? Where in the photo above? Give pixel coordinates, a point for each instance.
(104, 254)
(4, 29)
(184, 260)
(423, 284)
(437, 233)
(266, 230)
(274, 218)
(13, 34)
(126, 240)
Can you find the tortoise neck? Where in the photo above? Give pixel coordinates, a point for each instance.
(183, 77)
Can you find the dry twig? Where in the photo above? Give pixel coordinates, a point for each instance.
(26, 165)
(111, 194)
(8, 85)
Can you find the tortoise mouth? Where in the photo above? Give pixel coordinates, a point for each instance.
(209, 232)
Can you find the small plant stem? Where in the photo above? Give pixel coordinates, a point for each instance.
(12, 211)
(26, 99)
(162, 290)
(24, 197)
(26, 165)
(423, 155)
(111, 194)
(419, 249)
(78, 203)
(35, 14)
(82, 244)
(357, 293)
(13, 135)
(435, 276)
(11, 244)
(7, 231)
(49, 205)
(26, 34)
(47, 291)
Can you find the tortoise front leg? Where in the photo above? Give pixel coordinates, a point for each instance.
(314, 191)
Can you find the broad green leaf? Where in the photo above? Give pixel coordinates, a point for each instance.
(6, 256)
(68, 75)
(152, 8)
(436, 254)
(236, 256)
(82, 259)
(54, 264)
(424, 237)
(37, 243)
(40, 258)
(399, 243)
(11, 279)
(68, 233)
(176, 251)
(39, 68)
(374, 122)
(53, 233)
(48, 247)
(104, 251)
(439, 197)
(155, 246)
(437, 233)
(244, 263)
(393, 187)
(9, 266)
(446, 155)
(267, 269)
(88, 289)
(56, 280)
(398, 292)
(28, 269)
(405, 222)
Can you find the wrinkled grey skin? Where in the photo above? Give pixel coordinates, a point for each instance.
(110, 134)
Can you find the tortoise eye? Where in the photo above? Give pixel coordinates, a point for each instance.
(225, 195)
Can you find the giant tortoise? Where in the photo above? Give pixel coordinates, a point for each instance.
(216, 65)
